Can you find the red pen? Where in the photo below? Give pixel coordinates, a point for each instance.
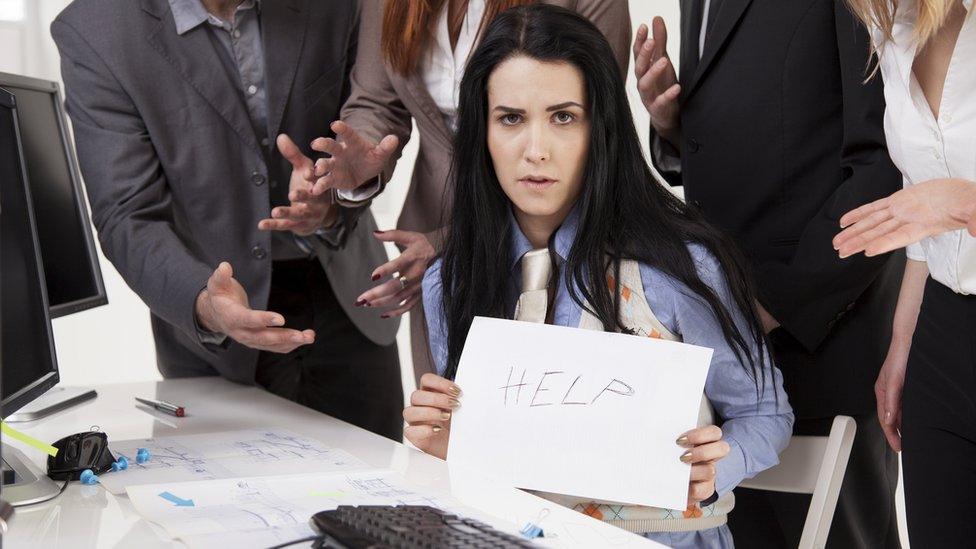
(163, 406)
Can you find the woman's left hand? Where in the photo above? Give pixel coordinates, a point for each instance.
(907, 216)
(706, 447)
(403, 291)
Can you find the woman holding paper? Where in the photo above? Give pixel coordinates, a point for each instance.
(557, 219)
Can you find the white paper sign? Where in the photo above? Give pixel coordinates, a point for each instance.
(578, 412)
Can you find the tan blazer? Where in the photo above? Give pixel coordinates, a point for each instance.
(383, 101)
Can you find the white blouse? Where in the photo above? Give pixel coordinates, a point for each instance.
(442, 68)
(924, 147)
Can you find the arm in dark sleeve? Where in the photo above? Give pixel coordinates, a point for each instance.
(373, 107)
(129, 193)
(350, 204)
(811, 292)
(665, 159)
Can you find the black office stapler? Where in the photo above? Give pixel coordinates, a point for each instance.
(77, 452)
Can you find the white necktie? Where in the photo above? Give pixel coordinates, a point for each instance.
(536, 270)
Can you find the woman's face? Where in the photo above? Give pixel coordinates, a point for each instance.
(538, 136)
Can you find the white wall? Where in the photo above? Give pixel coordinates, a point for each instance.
(113, 343)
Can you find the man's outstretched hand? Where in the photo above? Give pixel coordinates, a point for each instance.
(222, 307)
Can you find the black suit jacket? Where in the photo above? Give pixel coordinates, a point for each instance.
(780, 136)
(176, 177)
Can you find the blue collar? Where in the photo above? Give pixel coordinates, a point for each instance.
(565, 236)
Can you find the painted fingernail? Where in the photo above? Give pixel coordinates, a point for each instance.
(445, 415)
(384, 315)
(454, 390)
(375, 277)
(361, 302)
(683, 441)
(437, 428)
(378, 232)
(454, 403)
(686, 457)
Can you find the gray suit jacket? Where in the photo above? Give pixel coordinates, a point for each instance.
(176, 178)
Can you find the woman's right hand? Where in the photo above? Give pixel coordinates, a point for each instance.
(429, 414)
(888, 389)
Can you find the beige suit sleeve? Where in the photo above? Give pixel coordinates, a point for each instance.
(373, 108)
(612, 17)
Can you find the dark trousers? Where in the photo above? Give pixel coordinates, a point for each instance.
(865, 514)
(343, 374)
(939, 422)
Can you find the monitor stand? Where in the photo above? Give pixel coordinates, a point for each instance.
(54, 400)
(26, 483)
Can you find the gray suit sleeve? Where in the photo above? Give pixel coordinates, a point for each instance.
(131, 202)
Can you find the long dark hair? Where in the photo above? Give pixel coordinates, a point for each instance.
(624, 213)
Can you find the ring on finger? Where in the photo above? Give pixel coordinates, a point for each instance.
(403, 282)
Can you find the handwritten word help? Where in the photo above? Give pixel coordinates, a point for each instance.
(554, 387)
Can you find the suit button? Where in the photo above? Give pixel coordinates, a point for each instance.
(258, 252)
(257, 178)
(693, 145)
(273, 184)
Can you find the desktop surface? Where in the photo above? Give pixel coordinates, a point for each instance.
(89, 516)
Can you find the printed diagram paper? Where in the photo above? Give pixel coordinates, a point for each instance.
(233, 454)
(270, 508)
(578, 412)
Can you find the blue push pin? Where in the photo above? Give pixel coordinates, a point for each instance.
(88, 477)
(120, 464)
(142, 455)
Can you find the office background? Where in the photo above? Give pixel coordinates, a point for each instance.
(113, 343)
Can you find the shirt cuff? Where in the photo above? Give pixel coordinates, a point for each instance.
(360, 194)
(731, 469)
(666, 157)
(915, 252)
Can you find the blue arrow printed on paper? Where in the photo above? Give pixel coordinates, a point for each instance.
(180, 502)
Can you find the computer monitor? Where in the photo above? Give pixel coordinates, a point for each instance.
(74, 279)
(28, 363)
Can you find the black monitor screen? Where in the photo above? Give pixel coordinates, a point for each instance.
(74, 280)
(27, 358)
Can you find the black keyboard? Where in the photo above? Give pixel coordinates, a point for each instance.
(407, 527)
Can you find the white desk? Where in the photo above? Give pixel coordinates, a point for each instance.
(89, 516)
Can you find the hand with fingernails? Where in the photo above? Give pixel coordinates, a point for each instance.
(705, 449)
(429, 414)
(354, 159)
(657, 82)
(309, 210)
(407, 270)
(223, 307)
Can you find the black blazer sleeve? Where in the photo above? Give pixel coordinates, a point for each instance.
(672, 178)
(809, 294)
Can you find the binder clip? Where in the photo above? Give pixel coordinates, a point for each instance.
(532, 530)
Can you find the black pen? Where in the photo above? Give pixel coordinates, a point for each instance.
(163, 406)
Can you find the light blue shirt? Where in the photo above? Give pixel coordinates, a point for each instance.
(757, 427)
